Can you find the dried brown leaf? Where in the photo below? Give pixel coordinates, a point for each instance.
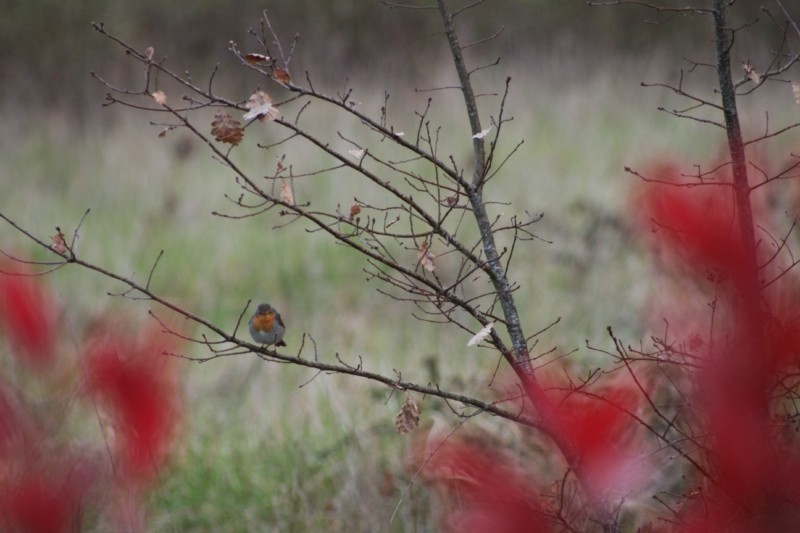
(407, 419)
(260, 105)
(159, 97)
(280, 75)
(355, 209)
(255, 59)
(287, 195)
(163, 133)
(59, 245)
(425, 257)
(452, 200)
(227, 130)
(751, 73)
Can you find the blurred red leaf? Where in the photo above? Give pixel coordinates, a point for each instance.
(484, 492)
(599, 427)
(29, 317)
(15, 426)
(44, 496)
(751, 480)
(136, 382)
(697, 225)
(36, 505)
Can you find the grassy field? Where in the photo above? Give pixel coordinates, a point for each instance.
(262, 447)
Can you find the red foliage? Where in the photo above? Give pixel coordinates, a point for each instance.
(699, 225)
(11, 425)
(136, 382)
(45, 500)
(37, 505)
(45, 483)
(599, 428)
(29, 317)
(30, 500)
(754, 477)
(484, 492)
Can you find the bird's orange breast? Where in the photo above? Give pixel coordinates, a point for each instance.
(264, 322)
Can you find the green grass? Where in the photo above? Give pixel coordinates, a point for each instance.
(239, 482)
(264, 446)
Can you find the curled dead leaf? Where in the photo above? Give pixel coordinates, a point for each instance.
(483, 133)
(751, 73)
(163, 133)
(225, 129)
(260, 105)
(255, 59)
(355, 209)
(482, 334)
(280, 75)
(159, 97)
(59, 245)
(425, 257)
(407, 419)
(287, 195)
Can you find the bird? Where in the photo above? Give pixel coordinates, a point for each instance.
(266, 326)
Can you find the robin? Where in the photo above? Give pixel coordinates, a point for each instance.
(266, 326)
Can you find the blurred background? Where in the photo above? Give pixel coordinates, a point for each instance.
(263, 448)
(47, 47)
